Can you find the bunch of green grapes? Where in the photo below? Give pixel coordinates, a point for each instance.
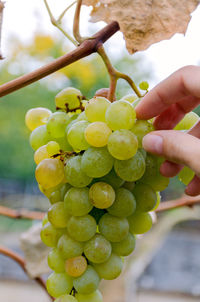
(101, 184)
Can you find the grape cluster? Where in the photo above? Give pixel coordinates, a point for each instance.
(101, 185)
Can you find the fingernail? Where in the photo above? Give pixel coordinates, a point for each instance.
(153, 143)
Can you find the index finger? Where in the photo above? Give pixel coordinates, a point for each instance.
(182, 83)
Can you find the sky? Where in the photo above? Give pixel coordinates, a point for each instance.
(23, 17)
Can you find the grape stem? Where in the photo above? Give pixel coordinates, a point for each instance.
(76, 25)
(1, 19)
(17, 258)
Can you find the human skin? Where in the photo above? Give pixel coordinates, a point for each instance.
(168, 102)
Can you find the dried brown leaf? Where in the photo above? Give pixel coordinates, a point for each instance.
(144, 22)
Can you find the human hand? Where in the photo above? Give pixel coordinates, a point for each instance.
(169, 101)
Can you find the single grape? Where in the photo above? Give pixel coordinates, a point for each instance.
(144, 85)
(76, 201)
(82, 228)
(75, 174)
(101, 195)
(97, 249)
(68, 247)
(49, 235)
(112, 179)
(97, 134)
(58, 216)
(94, 297)
(66, 298)
(88, 282)
(189, 120)
(186, 175)
(122, 144)
(110, 269)
(39, 137)
(124, 204)
(68, 98)
(40, 154)
(36, 117)
(49, 172)
(76, 136)
(145, 197)
(57, 123)
(120, 115)
(131, 169)
(124, 247)
(113, 228)
(75, 267)
(59, 284)
(55, 197)
(55, 261)
(95, 109)
(64, 189)
(140, 223)
(96, 162)
(140, 129)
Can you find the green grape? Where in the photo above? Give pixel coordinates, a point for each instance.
(39, 137)
(74, 121)
(76, 136)
(97, 249)
(140, 129)
(144, 85)
(45, 220)
(97, 162)
(124, 247)
(122, 144)
(55, 197)
(55, 261)
(66, 298)
(64, 144)
(40, 154)
(120, 115)
(97, 134)
(101, 195)
(49, 235)
(93, 297)
(112, 179)
(75, 174)
(157, 201)
(129, 185)
(53, 148)
(189, 120)
(110, 269)
(49, 173)
(68, 98)
(47, 192)
(145, 197)
(95, 109)
(158, 183)
(82, 228)
(82, 117)
(36, 117)
(68, 247)
(58, 216)
(77, 201)
(186, 175)
(57, 123)
(130, 98)
(59, 284)
(131, 169)
(140, 223)
(143, 152)
(113, 228)
(97, 214)
(124, 204)
(88, 282)
(64, 189)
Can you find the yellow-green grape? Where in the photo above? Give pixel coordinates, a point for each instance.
(55, 261)
(88, 282)
(97, 162)
(95, 109)
(47, 192)
(66, 298)
(75, 174)
(76, 201)
(49, 235)
(186, 175)
(59, 284)
(189, 120)
(124, 247)
(45, 220)
(55, 197)
(39, 137)
(112, 179)
(53, 148)
(122, 144)
(157, 201)
(124, 204)
(57, 123)
(75, 267)
(58, 216)
(140, 223)
(140, 129)
(97, 249)
(130, 98)
(113, 228)
(145, 197)
(68, 247)
(49, 173)
(131, 169)
(36, 117)
(94, 297)
(120, 115)
(64, 189)
(82, 228)
(97, 134)
(76, 137)
(110, 269)
(40, 154)
(101, 195)
(82, 117)
(68, 98)
(144, 85)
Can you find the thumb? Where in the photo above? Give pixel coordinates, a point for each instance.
(176, 146)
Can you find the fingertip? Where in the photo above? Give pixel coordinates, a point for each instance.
(193, 188)
(169, 169)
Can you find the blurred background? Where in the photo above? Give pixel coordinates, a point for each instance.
(29, 41)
